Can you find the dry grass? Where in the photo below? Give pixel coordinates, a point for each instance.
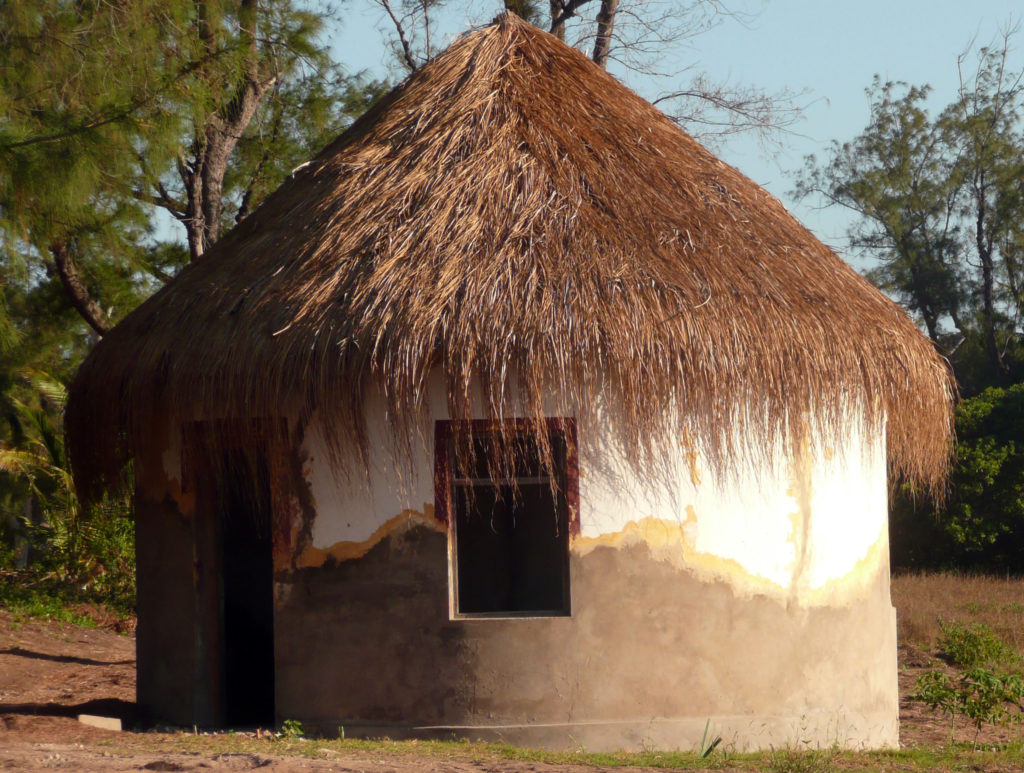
(515, 219)
(922, 599)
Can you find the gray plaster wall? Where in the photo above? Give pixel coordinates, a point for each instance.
(647, 657)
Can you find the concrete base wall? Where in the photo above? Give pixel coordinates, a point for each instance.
(738, 733)
(649, 655)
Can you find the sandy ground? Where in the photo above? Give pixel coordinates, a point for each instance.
(52, 672)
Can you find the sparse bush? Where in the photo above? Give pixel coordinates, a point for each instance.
(51, 544)
(980, 695)
(925, 598)
(975, 645)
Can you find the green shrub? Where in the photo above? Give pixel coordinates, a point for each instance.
(51, 544)
(975, 645)
(980, 526)
(980, 695)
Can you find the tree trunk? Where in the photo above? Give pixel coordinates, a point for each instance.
(557, 27)
(75, 288)
(605, 28)
(922, 298)
(988, 310)
(203, 178)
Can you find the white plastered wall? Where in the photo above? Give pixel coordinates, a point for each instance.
(809, 528)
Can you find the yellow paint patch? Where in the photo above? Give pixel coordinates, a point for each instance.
(800, 489)
(653, 532)
(346, 551)
(852, 585)
(186, 500)
(675, 543)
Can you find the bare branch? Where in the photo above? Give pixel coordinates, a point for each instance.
(424, 4)
(557, 28)
(407, 55)
(566, 11)
(708, 110)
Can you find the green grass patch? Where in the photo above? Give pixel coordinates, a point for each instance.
(33, 603)
(956, 757)
(27, 594)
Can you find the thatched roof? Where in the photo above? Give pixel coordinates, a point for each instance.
(514, 217)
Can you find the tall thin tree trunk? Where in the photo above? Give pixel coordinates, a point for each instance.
(558, 30)
(605, 28)
(204, 180)
(988, 306)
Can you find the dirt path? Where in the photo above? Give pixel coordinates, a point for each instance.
(52, 672)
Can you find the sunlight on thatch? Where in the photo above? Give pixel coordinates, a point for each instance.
(515, 217)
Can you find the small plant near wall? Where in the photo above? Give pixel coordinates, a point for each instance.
(989, 690)
(292, 730)
(980, 695)
(708, 743)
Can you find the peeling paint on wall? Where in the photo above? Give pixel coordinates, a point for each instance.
(345, 551)
(675, 543)
(788, 525)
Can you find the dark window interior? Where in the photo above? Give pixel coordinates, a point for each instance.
(512, 539)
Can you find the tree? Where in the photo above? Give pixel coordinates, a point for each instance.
(983, 126)
(214, 102)
(261, 83)
(981, 525)
(109, 113)
(898, 176)
(939, 210)
(65, 129)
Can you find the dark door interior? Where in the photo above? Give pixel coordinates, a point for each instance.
(247, 608)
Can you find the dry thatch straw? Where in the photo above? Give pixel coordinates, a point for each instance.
(512, 209)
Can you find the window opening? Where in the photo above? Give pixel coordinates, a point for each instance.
(510, 532)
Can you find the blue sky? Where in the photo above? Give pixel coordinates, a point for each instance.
(831, 49)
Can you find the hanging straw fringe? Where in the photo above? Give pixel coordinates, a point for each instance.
(515, 217)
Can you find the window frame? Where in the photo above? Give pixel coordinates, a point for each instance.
(445, 433)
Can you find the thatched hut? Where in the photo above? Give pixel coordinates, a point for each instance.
(516, 413)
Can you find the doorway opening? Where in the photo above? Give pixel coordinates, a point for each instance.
(231, 469)
(245, 546)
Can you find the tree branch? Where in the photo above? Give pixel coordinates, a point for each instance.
(77, 292)
(407, 56)
(557, 28)
(121, 113)
(566, 12)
